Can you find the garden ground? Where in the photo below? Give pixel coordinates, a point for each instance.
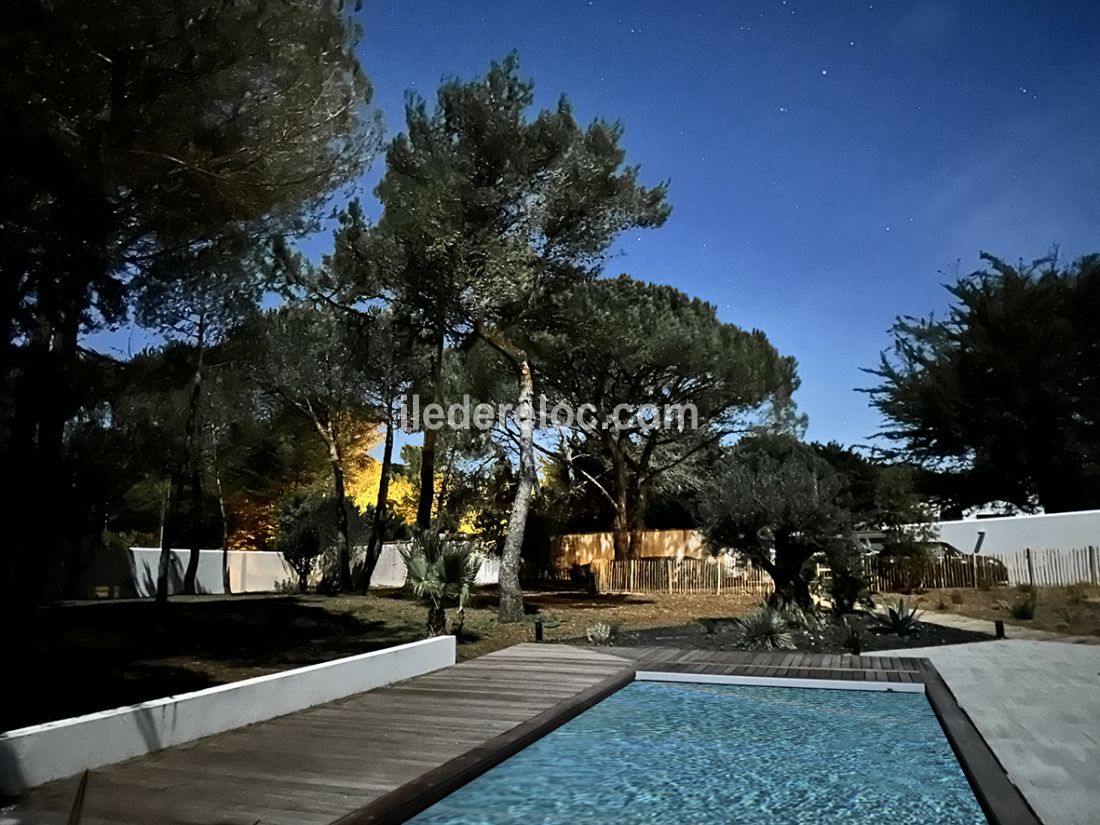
(1073, 609)
(84, 657)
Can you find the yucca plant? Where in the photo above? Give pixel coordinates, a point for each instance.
(764, 628)
(902, 619)
(441, 574)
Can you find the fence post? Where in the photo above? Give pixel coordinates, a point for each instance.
(1030, 569)
(974, 562)
(670, 576)
(718, 570)
(1093, 579)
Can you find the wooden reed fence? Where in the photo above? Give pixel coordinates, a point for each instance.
(1046, 568)
(888, 575)
(1041, 568)
(657, 575)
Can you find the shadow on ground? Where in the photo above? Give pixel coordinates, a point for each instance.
(81, 658)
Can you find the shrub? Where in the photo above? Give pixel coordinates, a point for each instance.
(1024, 607)
(849, 584)
(906, 566)
(308, 521)
(902, 619)
(764, 628)
(298, 537)
(1071, 617)
(852, 638)
(601, 633)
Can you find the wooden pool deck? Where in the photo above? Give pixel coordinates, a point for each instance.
(380, 756)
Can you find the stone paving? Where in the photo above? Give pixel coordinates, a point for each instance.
(1037, 704)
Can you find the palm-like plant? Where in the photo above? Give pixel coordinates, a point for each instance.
(441, 574)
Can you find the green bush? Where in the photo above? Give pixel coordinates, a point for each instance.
(849, 584)
(907, 566)
(305, 534)
(298, 537)
(1024, 607)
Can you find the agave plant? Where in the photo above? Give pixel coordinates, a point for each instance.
(764, 628)
(441, 574)
(902, 619)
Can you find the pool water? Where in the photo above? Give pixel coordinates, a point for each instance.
(696, 754)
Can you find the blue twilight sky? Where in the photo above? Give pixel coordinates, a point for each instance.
(828, 161)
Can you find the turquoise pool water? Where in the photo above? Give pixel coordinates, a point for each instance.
(697, 754)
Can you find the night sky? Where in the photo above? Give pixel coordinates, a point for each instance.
(829, 162)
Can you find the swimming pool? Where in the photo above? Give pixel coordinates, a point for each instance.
(681, 753)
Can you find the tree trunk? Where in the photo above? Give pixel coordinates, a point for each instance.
(444, 483)
(191, 450)
(191, 573)
(227, 586)
(323, 422)
(511, 594)
(343, 537)
(620, 526)
(427, 452)
(437, 621)
(637, 519)
(791, 586)
(374, 544)
(164, 565)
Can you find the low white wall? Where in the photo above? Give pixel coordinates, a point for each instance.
(390, 570)
(42, 753)
(1011, 534)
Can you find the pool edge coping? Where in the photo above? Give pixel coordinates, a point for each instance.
(1000, 799)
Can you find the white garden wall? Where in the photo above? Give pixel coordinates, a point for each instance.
(133, 573)
(42, 753)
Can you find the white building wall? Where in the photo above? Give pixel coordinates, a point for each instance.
(1012, 534)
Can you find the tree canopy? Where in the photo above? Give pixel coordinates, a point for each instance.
(1003, 394)
(638, 351)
